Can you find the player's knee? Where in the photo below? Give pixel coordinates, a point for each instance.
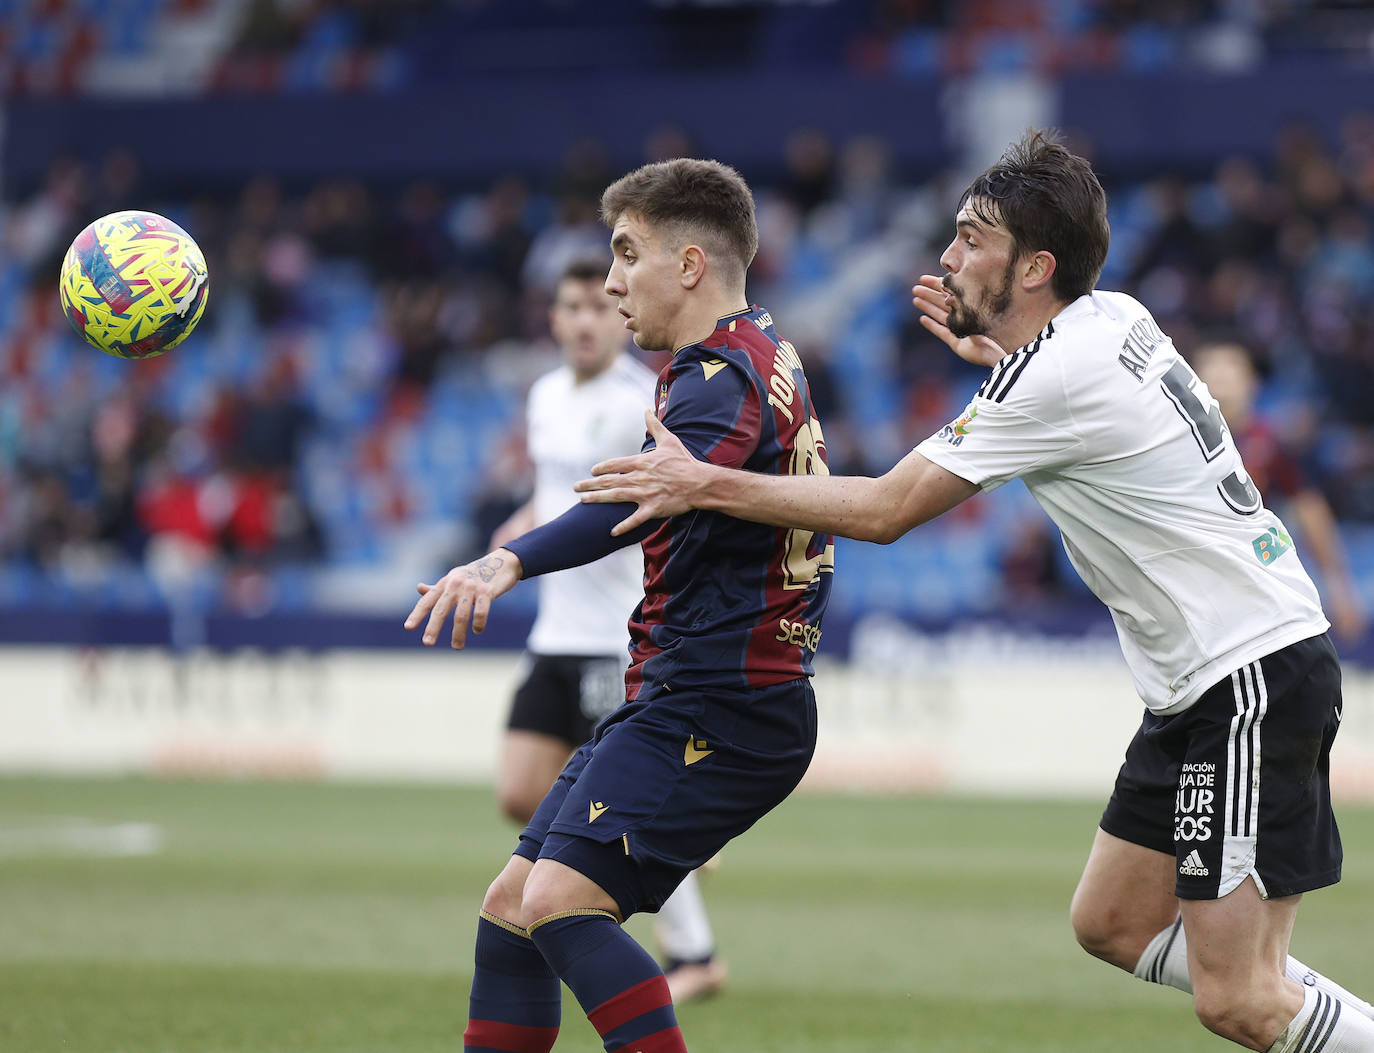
(504, 896)
(1090, 927)
(554, 889)
(1102, 932)
(543, 897)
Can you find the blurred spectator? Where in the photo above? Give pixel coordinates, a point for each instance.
(340, 221)
(810, 177)
(1177, 242)
(1230, 375)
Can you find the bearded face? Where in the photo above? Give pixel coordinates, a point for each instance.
(976, 308)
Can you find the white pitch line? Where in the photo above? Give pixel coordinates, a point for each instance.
(80, 837)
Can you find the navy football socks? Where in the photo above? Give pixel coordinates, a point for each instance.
(616, 981)
(516, 1002)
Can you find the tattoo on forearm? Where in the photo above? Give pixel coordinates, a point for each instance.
(486, 568)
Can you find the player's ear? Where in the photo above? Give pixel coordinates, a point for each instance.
(692, 265)
(1038, 270)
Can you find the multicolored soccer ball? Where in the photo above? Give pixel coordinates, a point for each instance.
(134, 284)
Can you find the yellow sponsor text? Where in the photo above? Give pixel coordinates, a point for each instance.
(799, 633)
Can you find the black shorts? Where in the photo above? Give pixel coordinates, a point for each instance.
(664, 784)
(566, 696)
(1238, 785)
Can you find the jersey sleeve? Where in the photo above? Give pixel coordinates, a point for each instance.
(1019, 422)
(581, 535)
(714, 411)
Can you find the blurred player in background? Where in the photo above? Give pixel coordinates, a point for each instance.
(589, 408)
(1229, 373)
(720, 720)
(1221, 815)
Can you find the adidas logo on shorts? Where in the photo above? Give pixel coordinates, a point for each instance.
(1192, 865)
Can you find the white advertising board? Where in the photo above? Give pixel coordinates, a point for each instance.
(974, 712)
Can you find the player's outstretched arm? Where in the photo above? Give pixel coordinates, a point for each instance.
(932, 301)
(580, 535)
(467, 593)
(668, 480)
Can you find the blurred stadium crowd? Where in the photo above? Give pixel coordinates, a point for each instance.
(347, 418)
(121, 46)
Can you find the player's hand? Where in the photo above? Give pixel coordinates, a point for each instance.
(465, 592)
(931, 298)
(661, 481)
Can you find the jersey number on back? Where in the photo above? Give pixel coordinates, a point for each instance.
(1209, 430)
(799, 570)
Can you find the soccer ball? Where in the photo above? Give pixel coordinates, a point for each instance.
(133, 284)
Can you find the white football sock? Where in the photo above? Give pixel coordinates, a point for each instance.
(1324, 1024)
(683, 930)
(1165, 961)
(1300, 973)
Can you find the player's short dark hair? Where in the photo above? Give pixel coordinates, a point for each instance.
(691, 200)
(1050, 200)
(584, 269)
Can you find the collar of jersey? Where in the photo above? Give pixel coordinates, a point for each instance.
(753, 308)
(1082, 305)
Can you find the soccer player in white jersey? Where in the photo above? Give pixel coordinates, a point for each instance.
(587, 409)
(1221, 815)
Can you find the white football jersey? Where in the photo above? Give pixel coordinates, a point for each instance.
(1121, 443)
(585, 610)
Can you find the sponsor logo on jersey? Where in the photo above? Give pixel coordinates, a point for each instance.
(1192, 865)
(662, 399)
(800, 633)
(1272, 544)
(594, 810)
(954, 433)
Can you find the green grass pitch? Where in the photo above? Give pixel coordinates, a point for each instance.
(316, 918)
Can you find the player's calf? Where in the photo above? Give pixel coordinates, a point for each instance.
(516, 1002)
(1251, 1012)
(618, 984)
(575, 924)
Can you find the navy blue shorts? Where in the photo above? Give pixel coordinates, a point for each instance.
(665, 783)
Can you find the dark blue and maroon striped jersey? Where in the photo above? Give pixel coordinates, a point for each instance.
(727, 603)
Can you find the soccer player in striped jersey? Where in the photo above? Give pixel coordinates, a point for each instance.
(719, 722)
(585, 410)
(1221, 816)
